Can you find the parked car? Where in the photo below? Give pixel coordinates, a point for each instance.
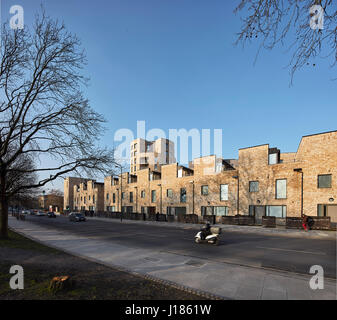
(25, 212)
(51, 214)
(77, 217)
(40, 213)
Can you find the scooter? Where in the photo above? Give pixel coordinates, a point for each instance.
(212, 238)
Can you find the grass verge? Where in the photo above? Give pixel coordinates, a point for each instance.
(93, 281)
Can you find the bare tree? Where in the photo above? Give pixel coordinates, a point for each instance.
(56, 192)
(43, 111)
(273, 22)
(16, 177)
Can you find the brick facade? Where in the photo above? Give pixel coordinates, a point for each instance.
(268, 184)
(88, 196)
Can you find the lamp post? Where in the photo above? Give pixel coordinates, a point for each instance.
(299, 170)
(238, 194)
(136, 199)
(161, 198)
(120, 167)
(192, 182)
(44, 199)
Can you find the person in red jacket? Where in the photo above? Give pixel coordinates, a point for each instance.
(305, 222)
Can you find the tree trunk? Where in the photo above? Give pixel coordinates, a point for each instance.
(3, 208)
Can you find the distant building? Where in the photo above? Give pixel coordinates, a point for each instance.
(69, 184)
(88, 196)
(51, 202)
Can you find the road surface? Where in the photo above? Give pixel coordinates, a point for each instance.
(254, 250)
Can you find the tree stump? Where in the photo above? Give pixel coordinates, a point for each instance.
(61, 283)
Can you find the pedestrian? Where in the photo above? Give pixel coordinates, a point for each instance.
(157, 216)
(310, 223)
(305, 222)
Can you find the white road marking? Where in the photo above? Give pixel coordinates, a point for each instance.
(290, 250)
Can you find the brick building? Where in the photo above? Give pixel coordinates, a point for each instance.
(69, 184)
(262, 181)
(51, 202)
(88, 195)
(150, 154)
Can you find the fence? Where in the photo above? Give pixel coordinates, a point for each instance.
(314, 223)
(317, 223)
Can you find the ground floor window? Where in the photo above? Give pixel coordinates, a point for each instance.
(217, 211)
(327, 210)
(221, 211)
(276, 211)
(176, 210)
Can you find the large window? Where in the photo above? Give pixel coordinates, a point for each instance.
(113, 197)
(131, 196)
(142, 194)
(182, 195)
(253, 186)
(223, 192)
(204, 190)
(123, 195)
(276, 211)
(281, 189)
(221, 211)
(153, 196)
(324, 181)
(218, 211)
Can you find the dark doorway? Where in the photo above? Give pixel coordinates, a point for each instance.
(258, 212)
(151, 210)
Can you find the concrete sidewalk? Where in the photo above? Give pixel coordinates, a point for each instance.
(312, 234)
(225, 280)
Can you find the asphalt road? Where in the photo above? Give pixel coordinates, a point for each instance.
(256, 250)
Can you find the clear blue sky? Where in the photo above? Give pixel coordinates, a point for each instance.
(173, 64)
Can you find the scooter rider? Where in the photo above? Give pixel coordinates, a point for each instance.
(205, 231)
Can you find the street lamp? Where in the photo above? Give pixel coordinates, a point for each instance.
(120, 167)
(299, 170)
(238, 195)
(136, 199)
(192, 182)
(161, 198)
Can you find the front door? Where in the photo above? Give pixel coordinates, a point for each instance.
(151, 210)
(259, 212)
